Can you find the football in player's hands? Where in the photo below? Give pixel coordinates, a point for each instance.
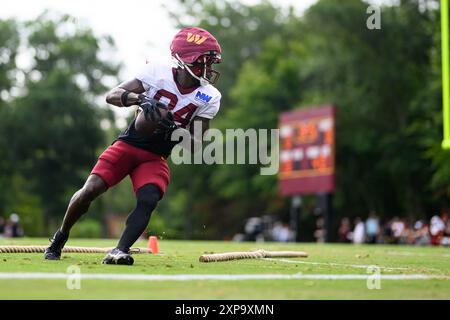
(151, 113)
(151, 107)
(166, 126)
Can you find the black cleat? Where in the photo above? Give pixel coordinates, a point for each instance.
(117, 256)
(53, 251)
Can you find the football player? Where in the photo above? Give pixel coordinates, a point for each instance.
(188, 92)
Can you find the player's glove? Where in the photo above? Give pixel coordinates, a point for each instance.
(166, 126)
(150, 107)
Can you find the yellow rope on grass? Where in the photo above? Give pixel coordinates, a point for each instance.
(41, 249)
(258, 254)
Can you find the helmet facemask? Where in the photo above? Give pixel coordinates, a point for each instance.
(202, 68)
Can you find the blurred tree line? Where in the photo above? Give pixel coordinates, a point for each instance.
(385, 83)
(50, 130)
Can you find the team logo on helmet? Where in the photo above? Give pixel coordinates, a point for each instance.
(196, 50)
(196, 38)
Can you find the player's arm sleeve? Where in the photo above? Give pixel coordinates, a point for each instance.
(210, 111)
(146, 75)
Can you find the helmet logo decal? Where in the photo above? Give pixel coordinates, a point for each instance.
(191, 37)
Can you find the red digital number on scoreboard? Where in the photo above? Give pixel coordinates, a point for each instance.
(307, 151)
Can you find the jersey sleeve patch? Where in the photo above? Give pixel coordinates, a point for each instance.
(210, 109)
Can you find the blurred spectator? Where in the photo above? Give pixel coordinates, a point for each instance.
(320, 232)
(387, 233)
(372, 228)
(421, 233)
(238, 237)
(444, 217)
(2, 226)
(262, 229)
(267, 225)
(281, 232)
(345, 230)
(445, 241)
(359, 233)
(396, 231)
(446, 238)
(437, 229)
(277, 231)
(254, 229)
(12, 227)
(407, 236)
(397, 227)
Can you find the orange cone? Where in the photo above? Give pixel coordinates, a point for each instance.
(153, 244)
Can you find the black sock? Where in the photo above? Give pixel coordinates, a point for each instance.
(147, 199)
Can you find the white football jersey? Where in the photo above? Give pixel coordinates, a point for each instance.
(159, 82)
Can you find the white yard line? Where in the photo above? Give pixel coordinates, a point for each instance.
(222, 277)
(417, 254)
(359, 266)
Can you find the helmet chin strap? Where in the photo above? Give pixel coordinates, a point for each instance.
(203, 81)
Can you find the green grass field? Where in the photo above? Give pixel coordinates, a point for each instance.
(181, 258)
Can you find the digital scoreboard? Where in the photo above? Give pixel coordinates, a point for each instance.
(307, 151)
